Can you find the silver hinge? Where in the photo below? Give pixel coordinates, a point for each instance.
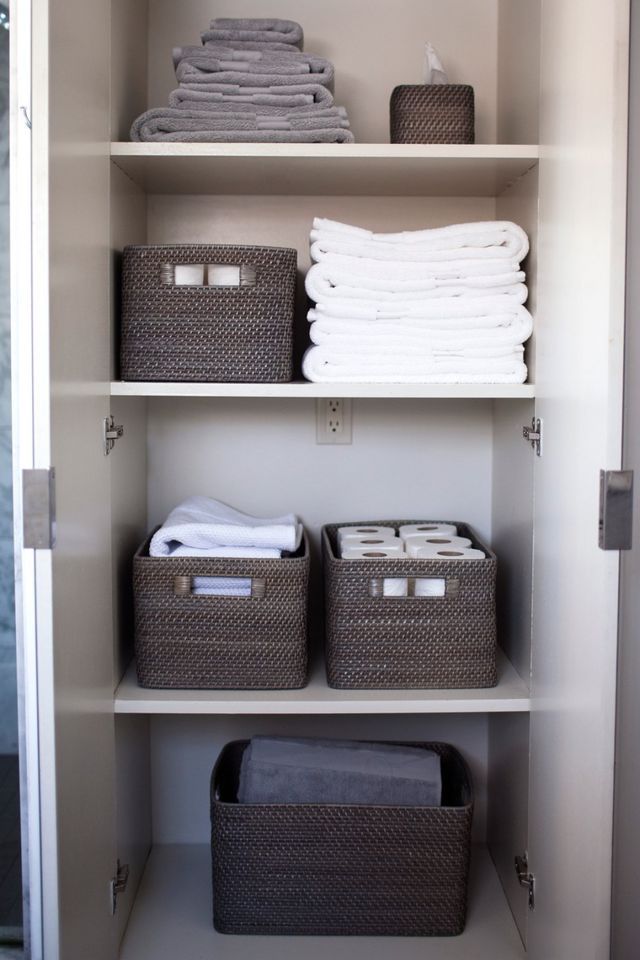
(39, 509)
(526, 879)
(533, 435)
(118, 884)
(110, 433)
(615, 522)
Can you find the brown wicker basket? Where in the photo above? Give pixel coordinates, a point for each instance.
(432, 113)
(187, 641)
(378, 642)
(241, 332)
(337, 869)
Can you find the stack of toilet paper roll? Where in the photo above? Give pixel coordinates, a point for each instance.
(416, 541)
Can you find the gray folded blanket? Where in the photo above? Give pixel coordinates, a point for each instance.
(258, 30)
(220, 62)
(191, 126)
(283, 770)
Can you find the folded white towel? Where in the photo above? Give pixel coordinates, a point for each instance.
(221, 587)
(242, 553)
(324, 365)
(208, 524)
(474, 311)
(494, 240)
(353, 278)
(500, 329)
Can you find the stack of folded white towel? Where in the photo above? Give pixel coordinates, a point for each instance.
(248, 82)
(415, 541)
(426, 306)
(201, 527)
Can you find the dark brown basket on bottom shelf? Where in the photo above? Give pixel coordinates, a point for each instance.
(240, 330)
(187, 641)
(412, 642)
(432, 113)
(340, 870)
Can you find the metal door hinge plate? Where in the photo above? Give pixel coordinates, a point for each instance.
(533, 435)
(615, 522)
(526, 879)
(111, 432)
(118, 884)
(39, 509)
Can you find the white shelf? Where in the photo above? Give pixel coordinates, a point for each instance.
(171, 919)
(509, 696)
(458, 391)
(369, 169)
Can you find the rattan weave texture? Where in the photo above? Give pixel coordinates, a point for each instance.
(340, 870)
(432, 113)
(377, 642)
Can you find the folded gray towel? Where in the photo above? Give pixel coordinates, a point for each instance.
(258, 30)
(200, 99)
(190, 126)
(314, 92)
(282, 770)
(206, 70)
(231, 64)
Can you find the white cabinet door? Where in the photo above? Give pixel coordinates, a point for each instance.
(580, 325)
(70, 377)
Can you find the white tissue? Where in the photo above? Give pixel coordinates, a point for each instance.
(427, 530)
(413, 544)
(373, 553)
(188, 275)
(223, 275)
(351, 533)
(433, 69)
(449, 553)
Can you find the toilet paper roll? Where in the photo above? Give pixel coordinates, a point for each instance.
(413, 544)
(449, 553)
(373, 543)
(189, 275)
(357, 533)
(223, 275)
(373, 553)
(430, 587)
(427, 530)
(395, 587)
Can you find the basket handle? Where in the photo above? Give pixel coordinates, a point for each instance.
(185, 586)
(208, 275)
(440, 588)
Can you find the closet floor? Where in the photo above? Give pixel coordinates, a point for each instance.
(172, 918)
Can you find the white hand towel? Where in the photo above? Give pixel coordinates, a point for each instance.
(454, 312)
(208, 524)
(324, 365)
(241, 553)
(221, 587)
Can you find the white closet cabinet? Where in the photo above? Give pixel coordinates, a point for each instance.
(121, 773)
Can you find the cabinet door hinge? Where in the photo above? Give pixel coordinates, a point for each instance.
(615, 523)
(39, 509)
(111, 431)
(118, 884)
(526, 879)
(533, 435)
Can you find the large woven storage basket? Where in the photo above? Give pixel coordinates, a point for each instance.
(340, 869)
(432, 113)
(242, 331)
(184, 640)
(412, 642)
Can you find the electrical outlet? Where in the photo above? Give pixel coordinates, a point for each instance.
(333, 421)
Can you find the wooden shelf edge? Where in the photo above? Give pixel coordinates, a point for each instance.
(519, 391)
(511, 695)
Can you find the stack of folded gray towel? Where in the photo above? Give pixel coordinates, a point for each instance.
(283, 770)
(248, 82)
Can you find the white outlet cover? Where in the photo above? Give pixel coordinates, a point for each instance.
(333, 420)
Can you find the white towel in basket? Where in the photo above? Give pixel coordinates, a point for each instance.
(206, 525)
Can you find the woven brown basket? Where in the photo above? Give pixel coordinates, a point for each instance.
(337, 869)
(378, 642)
(208, 333)
(432, 113)
(215, 642)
